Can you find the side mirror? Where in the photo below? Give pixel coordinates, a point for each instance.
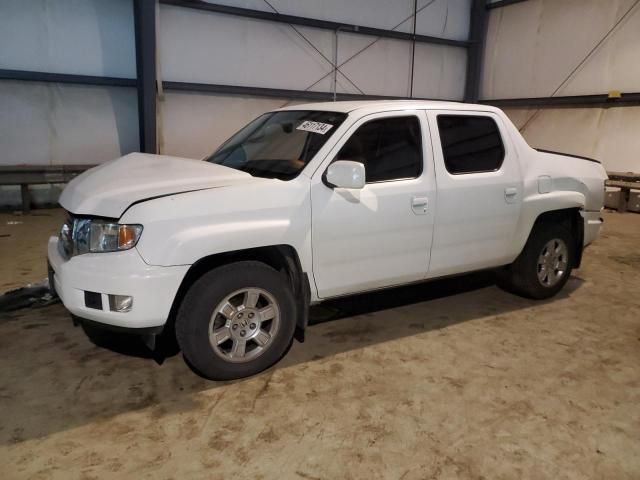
(345, 174)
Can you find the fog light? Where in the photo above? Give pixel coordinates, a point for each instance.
(120, 303)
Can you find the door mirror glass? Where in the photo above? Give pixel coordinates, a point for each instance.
(346, 174)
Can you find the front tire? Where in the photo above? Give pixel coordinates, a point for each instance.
(236, 320)
(544, 265)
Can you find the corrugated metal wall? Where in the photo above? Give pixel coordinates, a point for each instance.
(50, 123)
(228, 50)
(534, 45)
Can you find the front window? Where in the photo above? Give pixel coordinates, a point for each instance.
(278, 144)
(389, 148)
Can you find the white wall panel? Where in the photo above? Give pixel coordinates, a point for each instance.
(439, 72)
(88, 37)
(195, 124)
(205, 47)
(609, 135)
(382, 69)
(53, 124)
(444, 18)
(224, 49)
(385, 14)
(532, 46)
(61, 124)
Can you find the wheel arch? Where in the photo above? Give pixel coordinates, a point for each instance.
(573, 218)
(283, 258)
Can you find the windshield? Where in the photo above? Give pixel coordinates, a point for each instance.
(278, 144)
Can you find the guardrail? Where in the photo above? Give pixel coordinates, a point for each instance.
(25, 175)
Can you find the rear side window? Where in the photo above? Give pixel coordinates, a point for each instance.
(389, 148)
(470, 144)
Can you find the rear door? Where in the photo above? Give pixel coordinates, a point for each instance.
(479, 191)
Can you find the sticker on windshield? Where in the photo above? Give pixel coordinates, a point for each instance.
(315, 127)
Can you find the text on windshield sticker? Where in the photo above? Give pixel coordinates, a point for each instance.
(315, 127)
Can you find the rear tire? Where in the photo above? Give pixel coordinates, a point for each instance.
(544, 265)
(236, 320)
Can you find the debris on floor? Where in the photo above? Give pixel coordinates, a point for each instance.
(31, 295)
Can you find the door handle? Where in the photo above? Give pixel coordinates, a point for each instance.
(419, 205)
(510, 194)
(420, 202)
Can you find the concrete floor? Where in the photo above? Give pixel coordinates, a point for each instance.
(23, 246)
(453, 379)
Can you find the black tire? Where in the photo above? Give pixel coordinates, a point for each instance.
(200, 302)
(521, 277)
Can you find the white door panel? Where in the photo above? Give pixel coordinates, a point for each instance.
(477, 213)
(377, 236)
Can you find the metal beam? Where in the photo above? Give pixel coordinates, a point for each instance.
(39, 174)
(194, 87)
(273, 92)
(502, 3)
(597, 101)
(413, 49)
(312, 22)
(145, 32)
(477, 34)
(66, 78)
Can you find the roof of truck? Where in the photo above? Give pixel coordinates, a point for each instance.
(383, 105)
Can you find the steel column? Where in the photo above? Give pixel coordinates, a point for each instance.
(145, 30)
(477, 34)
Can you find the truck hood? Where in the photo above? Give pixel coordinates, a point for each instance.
(109, 189)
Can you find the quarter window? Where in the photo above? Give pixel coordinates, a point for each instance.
(470, 144)
(389, 148)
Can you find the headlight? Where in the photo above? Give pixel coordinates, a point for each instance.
(111, 237)
(93, 235)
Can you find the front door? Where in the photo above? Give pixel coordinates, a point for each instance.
(380, 235)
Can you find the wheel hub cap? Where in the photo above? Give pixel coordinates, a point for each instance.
(243, 325)
(552, 262)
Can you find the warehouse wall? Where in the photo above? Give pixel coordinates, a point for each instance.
(229, 50)
(49, 123)
(532, 47)
(193, 124)
(44, 123)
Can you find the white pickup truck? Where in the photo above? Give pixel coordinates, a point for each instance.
(313, 202)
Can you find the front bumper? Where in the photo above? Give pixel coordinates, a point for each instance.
(592, 224)
(153, 288)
